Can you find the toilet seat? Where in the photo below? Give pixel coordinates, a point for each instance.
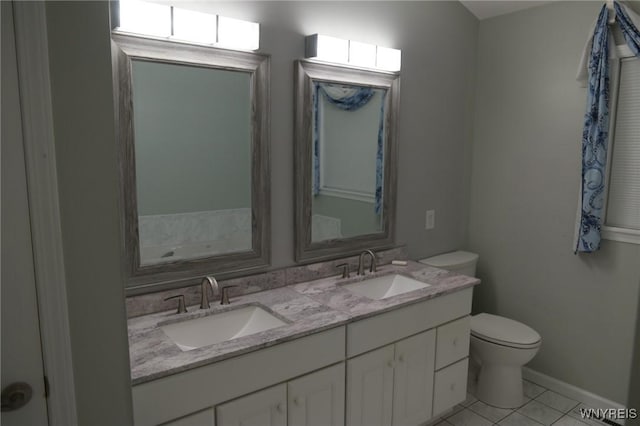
(504, 331)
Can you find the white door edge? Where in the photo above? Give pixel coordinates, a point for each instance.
(35, 99)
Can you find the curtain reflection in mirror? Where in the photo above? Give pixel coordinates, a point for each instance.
(348, 160)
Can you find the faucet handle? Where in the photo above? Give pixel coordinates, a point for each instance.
(345, 269)
(182, 308)
(224, 294)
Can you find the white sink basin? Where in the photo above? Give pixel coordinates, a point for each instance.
(216, 328)
(385, 286)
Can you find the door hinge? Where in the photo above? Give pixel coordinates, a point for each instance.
(46, 387)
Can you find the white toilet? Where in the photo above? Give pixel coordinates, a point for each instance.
(501, 346)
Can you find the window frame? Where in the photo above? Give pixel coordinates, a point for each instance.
(626, 235)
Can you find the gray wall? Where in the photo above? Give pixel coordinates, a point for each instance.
(192, 138)
(438, 42)
(80, 65)
(525, 179)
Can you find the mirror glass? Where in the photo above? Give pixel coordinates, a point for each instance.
(345, 167)
(347, 160)
(193, 142)
(192, 132)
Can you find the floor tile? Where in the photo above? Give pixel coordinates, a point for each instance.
(488, 412)
(468, 418)
(531, 390)
(557, 401)
(470, 400)
(540, 412)
(525, 400)
(517, 419)
(569, 421)
(453, 411)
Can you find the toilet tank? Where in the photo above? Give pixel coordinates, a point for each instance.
(460, 262)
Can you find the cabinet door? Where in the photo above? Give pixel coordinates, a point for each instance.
(413, 379)
(370, 388)
(264, 408)
(201, 418)
(317, 399)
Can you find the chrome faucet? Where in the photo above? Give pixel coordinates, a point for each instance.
(372, 266)
(204, 288)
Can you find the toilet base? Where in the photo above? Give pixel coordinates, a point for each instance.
(500, 385)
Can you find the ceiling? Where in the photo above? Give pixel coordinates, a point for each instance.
(483, 9)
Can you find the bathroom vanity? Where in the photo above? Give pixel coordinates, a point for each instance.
(341, 357)
(385, 348)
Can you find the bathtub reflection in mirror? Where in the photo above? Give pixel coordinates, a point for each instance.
(193, 159)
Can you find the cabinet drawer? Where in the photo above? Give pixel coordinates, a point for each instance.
(452, 342)
(450, 387)
(389, 327)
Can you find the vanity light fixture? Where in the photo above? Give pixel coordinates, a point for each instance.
(189, 25)
(238, 34)
(157, 20)
(145, 18)
(350, 52)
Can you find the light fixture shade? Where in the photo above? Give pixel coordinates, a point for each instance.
(325, 48)
(388, 59)
(238, 34)
(145, 18)
(332, 49)
(362, 54)
(194, 26)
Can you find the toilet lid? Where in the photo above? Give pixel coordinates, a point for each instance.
(503, 331)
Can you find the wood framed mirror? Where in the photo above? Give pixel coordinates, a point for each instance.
(194, 161)
(345, 160)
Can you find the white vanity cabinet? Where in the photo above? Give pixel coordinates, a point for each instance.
(267, 407)
(392, 385)
(452, 364)
(316, 399)
(413, 379)
(177, 397)
(419, 373)
(370, 388)
(401, 367)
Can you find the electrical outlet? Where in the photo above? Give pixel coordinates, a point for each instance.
(430, 219)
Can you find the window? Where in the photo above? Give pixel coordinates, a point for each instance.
(622, 220)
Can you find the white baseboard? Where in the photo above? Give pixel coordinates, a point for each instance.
(589, 399)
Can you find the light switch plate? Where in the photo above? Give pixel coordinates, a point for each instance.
(430, 219)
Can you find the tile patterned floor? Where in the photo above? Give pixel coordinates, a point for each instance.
(541, 407)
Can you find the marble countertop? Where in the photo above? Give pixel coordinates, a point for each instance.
(308, 308)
